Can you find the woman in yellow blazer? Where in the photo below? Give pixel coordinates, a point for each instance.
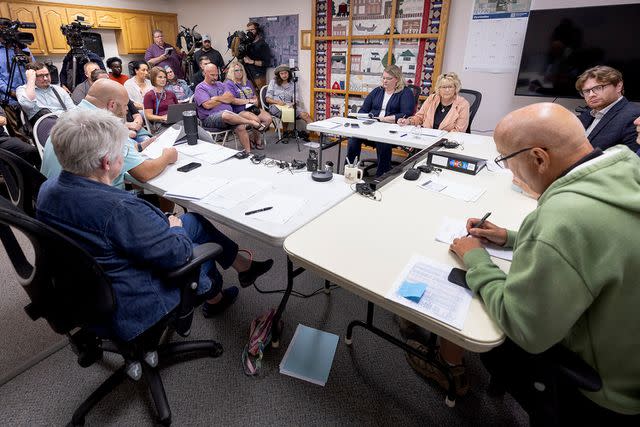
(444, 109)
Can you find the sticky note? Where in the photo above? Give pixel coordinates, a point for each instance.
(412, 291)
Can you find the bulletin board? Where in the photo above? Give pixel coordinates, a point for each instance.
(354, 40)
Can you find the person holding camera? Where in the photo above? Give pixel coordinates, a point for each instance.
(245, 100)
(258, 56)
(162, 54)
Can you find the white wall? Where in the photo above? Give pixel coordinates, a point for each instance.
(497, 89)
(219, 18)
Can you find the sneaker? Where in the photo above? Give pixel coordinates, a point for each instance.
(431, 372)
(257, 269)
(229, 296)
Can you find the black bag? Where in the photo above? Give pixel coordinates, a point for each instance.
(39, 114)
(253, 109)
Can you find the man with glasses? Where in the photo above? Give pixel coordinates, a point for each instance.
(573, 281)
(609, 118)
(39, 97)
(163, 54)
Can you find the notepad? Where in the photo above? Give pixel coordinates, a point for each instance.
(310, 355)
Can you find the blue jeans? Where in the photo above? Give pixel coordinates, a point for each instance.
(201, 231)
(383, 153)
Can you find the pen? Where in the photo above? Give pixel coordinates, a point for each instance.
(482, 220)
(258, 210)
(404, 134)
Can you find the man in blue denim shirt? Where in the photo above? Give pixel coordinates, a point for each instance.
(130, 238)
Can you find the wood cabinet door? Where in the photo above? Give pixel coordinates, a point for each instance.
(52, 18)
(108, 19)
(136, 31)
(29, 13)
(89, 15)
(169, 27)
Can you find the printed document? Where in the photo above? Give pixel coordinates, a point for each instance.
(283, 208)
(165, 140)
(195, 188)
(453, 228)
(467, 193)
(235, 192)
(441, 299)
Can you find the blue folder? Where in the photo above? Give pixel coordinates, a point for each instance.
(310, 355)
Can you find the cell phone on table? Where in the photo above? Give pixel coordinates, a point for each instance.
(458, 277)
(189, 166)
(355, 125)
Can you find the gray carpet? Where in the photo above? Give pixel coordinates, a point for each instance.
(370, 382)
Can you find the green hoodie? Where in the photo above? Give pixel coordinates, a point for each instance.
(575, 276)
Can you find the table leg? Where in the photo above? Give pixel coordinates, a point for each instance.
(429, 356)
(276, 331)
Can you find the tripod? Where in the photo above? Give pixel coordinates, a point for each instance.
(295, 133)
(19, 60)
(15, 124)
(79, 57)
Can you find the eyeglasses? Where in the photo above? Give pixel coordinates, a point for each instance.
(597, 90)
(501, 160)
(237, 71)
(42, 76)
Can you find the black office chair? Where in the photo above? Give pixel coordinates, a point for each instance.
(474, 97)
(70, 290)
(22, 181)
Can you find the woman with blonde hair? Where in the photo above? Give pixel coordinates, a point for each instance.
(445, 109)
(389, 103)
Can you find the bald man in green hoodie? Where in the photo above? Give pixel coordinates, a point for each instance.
(575, 276)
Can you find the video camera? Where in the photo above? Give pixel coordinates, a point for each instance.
(239, 43)
(191, 37)
(73, 32)
(12, 37)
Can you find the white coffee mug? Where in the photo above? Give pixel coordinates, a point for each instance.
(352, 174)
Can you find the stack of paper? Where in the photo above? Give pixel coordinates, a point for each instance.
(195, 188)
(235, 192)
(165, 140)
(467, 193)
(327, 124)
(453, 228)
(283, 208)
(310, 355)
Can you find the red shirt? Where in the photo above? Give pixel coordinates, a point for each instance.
(120, 79)
(159, 103)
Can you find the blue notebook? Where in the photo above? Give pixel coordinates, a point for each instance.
(310, 355)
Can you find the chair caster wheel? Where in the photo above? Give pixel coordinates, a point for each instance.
(449, 403)
(275, 344)
(348, 341)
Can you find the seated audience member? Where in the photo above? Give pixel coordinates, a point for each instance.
(17, 146)
(135, 123)
(280, 93)
(156, 102)
(139, 84)
(444, 109)
(244, 93)
(574, 276)
(39, 97)
(132, 240)
(105, 94)
(609, 118)
(115, 65)
(636, 122)
(81, 90)
(198, 76)
(178, 86)
(389, 103)
(213, 101)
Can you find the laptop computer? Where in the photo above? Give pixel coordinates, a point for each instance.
(174, 114)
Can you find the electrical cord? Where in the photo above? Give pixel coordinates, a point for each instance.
(295, 293)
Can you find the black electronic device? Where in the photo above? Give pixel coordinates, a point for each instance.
(456, 162)
(258, 158)
(189, 166)
(312, 161)
(412, 174)
(355, 125)
(393, 131)
(458, 277)
(368, 122)
(241, 155)
(428, 168)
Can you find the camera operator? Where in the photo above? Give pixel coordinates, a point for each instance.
(208, 51)
(8, 55)
(162, 54)
(82, 55)
(258, 56)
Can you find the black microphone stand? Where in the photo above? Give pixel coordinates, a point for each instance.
(295, 134)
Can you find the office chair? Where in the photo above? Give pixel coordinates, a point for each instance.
(70, 290)
(474, 97)
(42, 129)
(22, 181)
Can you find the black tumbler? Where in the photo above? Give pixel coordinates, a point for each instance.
(190, 126)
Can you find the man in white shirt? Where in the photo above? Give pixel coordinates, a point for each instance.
(40, 94)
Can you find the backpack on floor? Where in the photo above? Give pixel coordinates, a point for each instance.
(259, 339)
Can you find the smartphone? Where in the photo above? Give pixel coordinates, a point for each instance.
(168, 51)
(368, 122)
(189, 166)
(458, 277)
(355, 125)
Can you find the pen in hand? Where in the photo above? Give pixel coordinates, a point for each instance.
(258, 210)
(481, 222)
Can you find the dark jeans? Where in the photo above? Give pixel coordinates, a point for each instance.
(22, 149)
(559, 404)
(201, 231)
(383, 153)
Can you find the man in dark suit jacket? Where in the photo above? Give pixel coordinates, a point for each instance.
(609, 119)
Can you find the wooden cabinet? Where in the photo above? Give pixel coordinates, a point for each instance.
(135, 36)
(89, 15)
(52, 18)
(29, 13)
(108, 19)
(168, 25)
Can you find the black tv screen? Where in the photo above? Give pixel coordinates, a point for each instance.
(562, 43)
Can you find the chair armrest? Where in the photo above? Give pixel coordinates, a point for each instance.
(573, 369)
(201, 254)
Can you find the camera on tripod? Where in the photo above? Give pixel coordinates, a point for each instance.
(13, 37)
(239, 43)
(73, 32)
(191, 37)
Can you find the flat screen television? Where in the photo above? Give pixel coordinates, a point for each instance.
(562, 43)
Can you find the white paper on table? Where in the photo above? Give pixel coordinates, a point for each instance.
(467, 193)
(216, 156)
(194, 188)
(432, 132)
(452, 228)
(442, 299)
(327, 124)
(165, 140)
(284, 207)
(198, 149)
(235, 192)
(219, 202)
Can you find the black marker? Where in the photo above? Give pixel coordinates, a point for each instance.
(479, 224)
(258, 210)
